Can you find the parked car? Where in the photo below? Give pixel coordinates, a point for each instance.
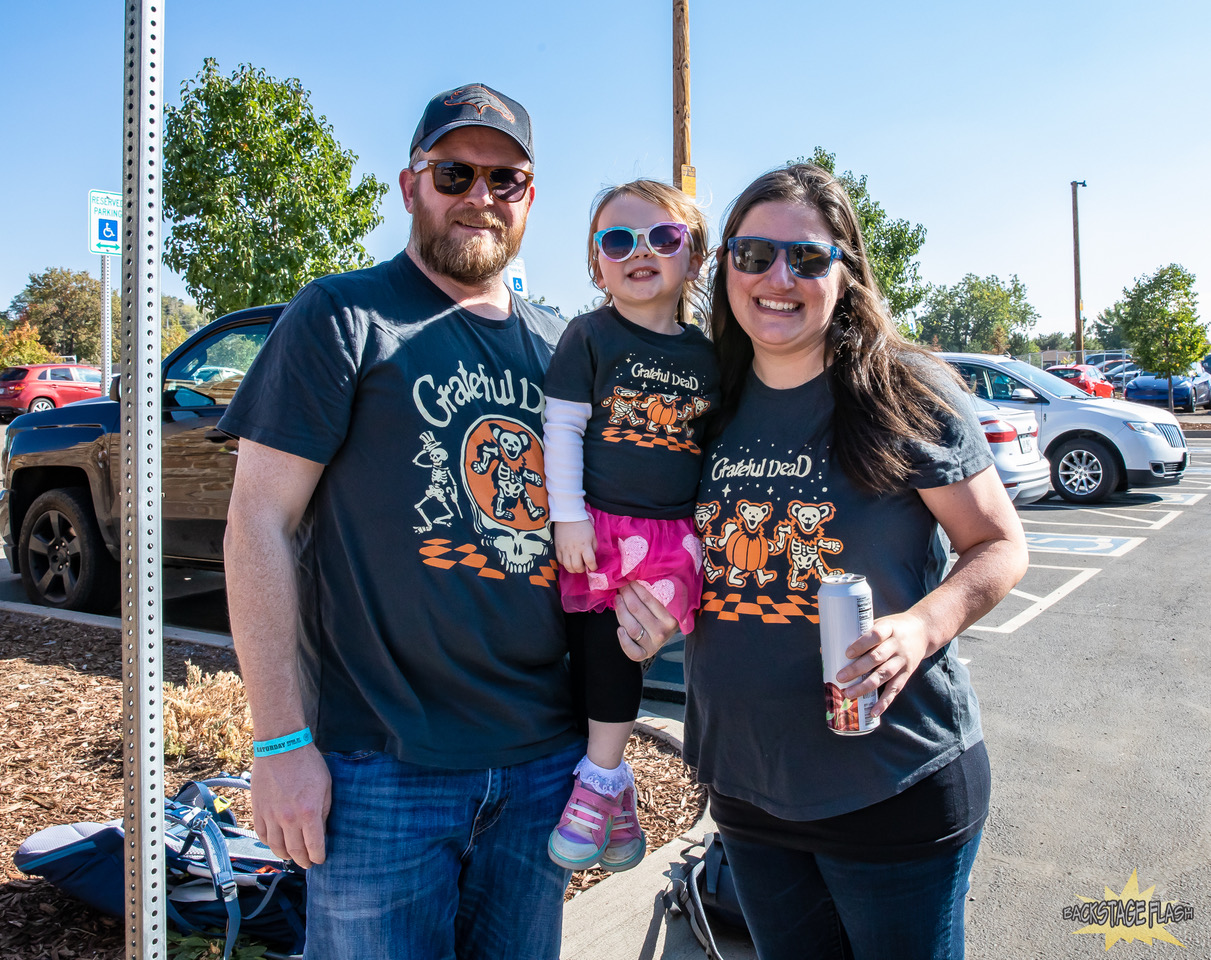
(1095, 445)
(1191, 389)
(1013, 438)
(34, 387)
(1122, 374)
(1105, 358)
(1088, 378)
(60, 512)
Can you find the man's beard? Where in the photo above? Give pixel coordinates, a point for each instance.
(473, 262)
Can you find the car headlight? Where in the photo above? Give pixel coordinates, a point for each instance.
(1142, 426)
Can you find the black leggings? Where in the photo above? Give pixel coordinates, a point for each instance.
(606, 683)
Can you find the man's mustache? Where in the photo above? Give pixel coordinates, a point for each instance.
(480, 221)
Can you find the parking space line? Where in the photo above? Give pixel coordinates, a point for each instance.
(1083, 575)
(1049, 541)
(1024, 595)
(1136, 523)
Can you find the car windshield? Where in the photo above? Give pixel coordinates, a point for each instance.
(90, 376)
(1048, 382)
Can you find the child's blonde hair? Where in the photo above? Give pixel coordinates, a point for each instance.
(683, 209)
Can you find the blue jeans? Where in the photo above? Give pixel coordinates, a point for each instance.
(431, 864)
(802, 905)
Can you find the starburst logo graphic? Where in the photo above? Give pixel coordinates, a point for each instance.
(1130, 915)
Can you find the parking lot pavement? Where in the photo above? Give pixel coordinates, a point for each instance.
(1093, 680)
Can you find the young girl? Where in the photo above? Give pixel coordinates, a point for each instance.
(626, 391)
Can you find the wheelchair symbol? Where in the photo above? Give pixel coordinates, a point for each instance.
(107, 230)
(517, 284)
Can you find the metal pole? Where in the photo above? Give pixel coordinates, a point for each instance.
(142, 636)
(107, 325)
(1078, 341)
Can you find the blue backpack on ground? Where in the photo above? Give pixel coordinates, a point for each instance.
(221, 879)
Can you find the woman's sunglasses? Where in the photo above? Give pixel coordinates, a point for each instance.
(809, 259)
(455, 177)
(663, 239)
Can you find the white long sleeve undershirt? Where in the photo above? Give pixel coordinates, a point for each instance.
(563, 458)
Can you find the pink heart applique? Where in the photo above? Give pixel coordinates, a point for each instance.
(633, 550)
(662, 590)
(693, 546)
(598, 581)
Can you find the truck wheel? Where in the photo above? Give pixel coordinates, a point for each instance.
(64, 560)
(41, 405)
(1084, 470)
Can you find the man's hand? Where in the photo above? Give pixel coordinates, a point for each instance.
(576, 545)
(291, 795)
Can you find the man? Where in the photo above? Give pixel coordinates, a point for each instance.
(390, 579)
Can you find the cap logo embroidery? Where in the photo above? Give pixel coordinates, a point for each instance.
(479, 98)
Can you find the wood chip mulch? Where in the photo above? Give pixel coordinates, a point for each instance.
(61, 762)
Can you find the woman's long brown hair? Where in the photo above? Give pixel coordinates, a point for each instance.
(885, 387)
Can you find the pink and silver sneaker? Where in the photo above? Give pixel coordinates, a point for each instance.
(626, 844)
(583, 833)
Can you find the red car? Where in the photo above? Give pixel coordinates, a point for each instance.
(1086, 377)
(44, 386)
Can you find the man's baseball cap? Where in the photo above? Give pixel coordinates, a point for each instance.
(471, 105)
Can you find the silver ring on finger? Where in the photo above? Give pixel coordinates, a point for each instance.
(642, 633)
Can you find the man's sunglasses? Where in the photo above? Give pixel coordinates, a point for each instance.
(808, 259)
(663, 239)
(455, 177)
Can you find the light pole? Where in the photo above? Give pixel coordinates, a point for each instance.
(1078, 341)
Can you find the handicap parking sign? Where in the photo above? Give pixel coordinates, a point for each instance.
(104, 217)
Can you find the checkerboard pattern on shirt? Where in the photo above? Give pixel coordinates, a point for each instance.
(440, 553)
(730, 606)
(644, 439)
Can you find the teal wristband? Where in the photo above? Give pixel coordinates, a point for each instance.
(292, 741)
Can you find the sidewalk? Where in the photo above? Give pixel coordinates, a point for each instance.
(623, 916)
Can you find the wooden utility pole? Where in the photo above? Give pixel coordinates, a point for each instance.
(683, 172)
(1078, 342)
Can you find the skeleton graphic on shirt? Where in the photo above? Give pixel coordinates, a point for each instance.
(442, 489)
(802, 534)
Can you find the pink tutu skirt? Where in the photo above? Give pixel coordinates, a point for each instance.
(663, 555)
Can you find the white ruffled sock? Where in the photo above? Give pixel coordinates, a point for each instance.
(609, 783)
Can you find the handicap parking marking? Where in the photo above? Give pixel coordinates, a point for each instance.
(1050, 541)
(1179, 499)
(1038, 604)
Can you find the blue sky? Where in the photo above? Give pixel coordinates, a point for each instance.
(971, 119)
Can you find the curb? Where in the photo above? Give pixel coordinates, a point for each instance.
(205, 638)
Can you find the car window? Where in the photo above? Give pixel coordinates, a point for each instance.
(974, 376)
(44, 375)
(1034, 377)
(60, 373)
(89, 376)
(13, 373)
(209, 372)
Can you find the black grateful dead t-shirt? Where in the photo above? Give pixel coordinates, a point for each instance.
(431, 624)
(649, 392)
(776, 514)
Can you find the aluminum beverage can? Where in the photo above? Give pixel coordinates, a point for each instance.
(845, 614)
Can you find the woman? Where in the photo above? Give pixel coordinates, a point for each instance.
(841, 447)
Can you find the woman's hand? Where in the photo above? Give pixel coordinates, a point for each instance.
(888, 655)
(576, 545)
(644, 623)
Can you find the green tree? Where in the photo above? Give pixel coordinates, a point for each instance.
(1053, 341)
(978, 315)
(258, 191)
(1160, 320)
(1109, 328)
(65, 306)
(21, 345)
(891, 245)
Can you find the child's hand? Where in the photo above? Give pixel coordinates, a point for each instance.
(576, 545)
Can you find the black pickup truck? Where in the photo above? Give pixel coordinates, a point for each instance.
(59, 509)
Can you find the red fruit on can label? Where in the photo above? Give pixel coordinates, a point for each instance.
(845, 614)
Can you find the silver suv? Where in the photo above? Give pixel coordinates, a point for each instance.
(1096, 445)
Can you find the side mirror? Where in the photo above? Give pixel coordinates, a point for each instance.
(1025, 395)
(114, 393)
